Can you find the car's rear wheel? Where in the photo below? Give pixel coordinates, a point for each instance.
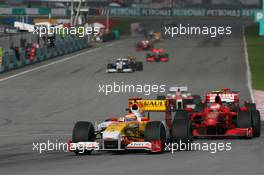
(256, 123)
(83, 132)
(250, 106)
(148, 55)
(197, 99)
(155, 131)
(199, 107)
(139, 66)
(109, 66)
(181, 114)
(244, 119)
(182, 133)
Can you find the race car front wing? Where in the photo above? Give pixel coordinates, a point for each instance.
(154, 146)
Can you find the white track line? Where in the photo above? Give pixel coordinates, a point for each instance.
(49, 64)
(249, 79)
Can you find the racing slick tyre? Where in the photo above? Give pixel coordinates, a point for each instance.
(250, 106)
(256, 123)
(182, 132)
(83, 132)
(197, 99)
(155, 131)
(164, 55)
(109, 66)
(161, 97)
(233, 107)
(244, 119)
(199, 107)
(148, 55)
(181, 114)
(139, 66)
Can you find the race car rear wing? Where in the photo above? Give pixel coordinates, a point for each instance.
(180, 88)
(149, 105)
(153, 106)
(225, 96)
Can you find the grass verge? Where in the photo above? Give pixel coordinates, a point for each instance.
(255, 46)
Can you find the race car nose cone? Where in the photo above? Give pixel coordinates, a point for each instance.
(111, 135)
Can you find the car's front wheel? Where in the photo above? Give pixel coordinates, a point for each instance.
(83, 132)
(155, 131)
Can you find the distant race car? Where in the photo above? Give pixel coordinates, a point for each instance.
(154, 36)
(221, 115)
(157, 55)
(127, 64)
(144, 45)
(134, 131)
(181, 98)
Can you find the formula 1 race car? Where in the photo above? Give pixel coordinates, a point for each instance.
(144, 45)
(154, 36)
(134, 131)
(181, 98)
(221, 115)
(157, 55)
(128, 64)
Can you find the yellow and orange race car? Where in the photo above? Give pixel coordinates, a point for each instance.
(155, 36)
(133, 131)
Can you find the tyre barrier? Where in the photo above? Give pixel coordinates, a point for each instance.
(20, 57)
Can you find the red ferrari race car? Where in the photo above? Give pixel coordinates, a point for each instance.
(222, 115)
(144, 45)
(157, 55)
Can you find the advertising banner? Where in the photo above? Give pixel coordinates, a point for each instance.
(119, 11)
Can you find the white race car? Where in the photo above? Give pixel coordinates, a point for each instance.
(181, 98)
(125, 65)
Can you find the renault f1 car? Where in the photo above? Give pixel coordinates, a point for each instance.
(155, 36)
(222, 115)
(157, 55)
(144, 45)
(133, 131)
(128, 64)
(181, 98)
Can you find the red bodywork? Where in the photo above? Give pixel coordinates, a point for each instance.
(144, 45)
(217, 123)
(221, 122)
(157, 55)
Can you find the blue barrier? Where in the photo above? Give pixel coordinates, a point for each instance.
(69, 44)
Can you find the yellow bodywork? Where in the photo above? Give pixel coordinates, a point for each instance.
(129, 129)
(136, 128)
(157, 36)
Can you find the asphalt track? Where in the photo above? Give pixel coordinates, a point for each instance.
(44, 103)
